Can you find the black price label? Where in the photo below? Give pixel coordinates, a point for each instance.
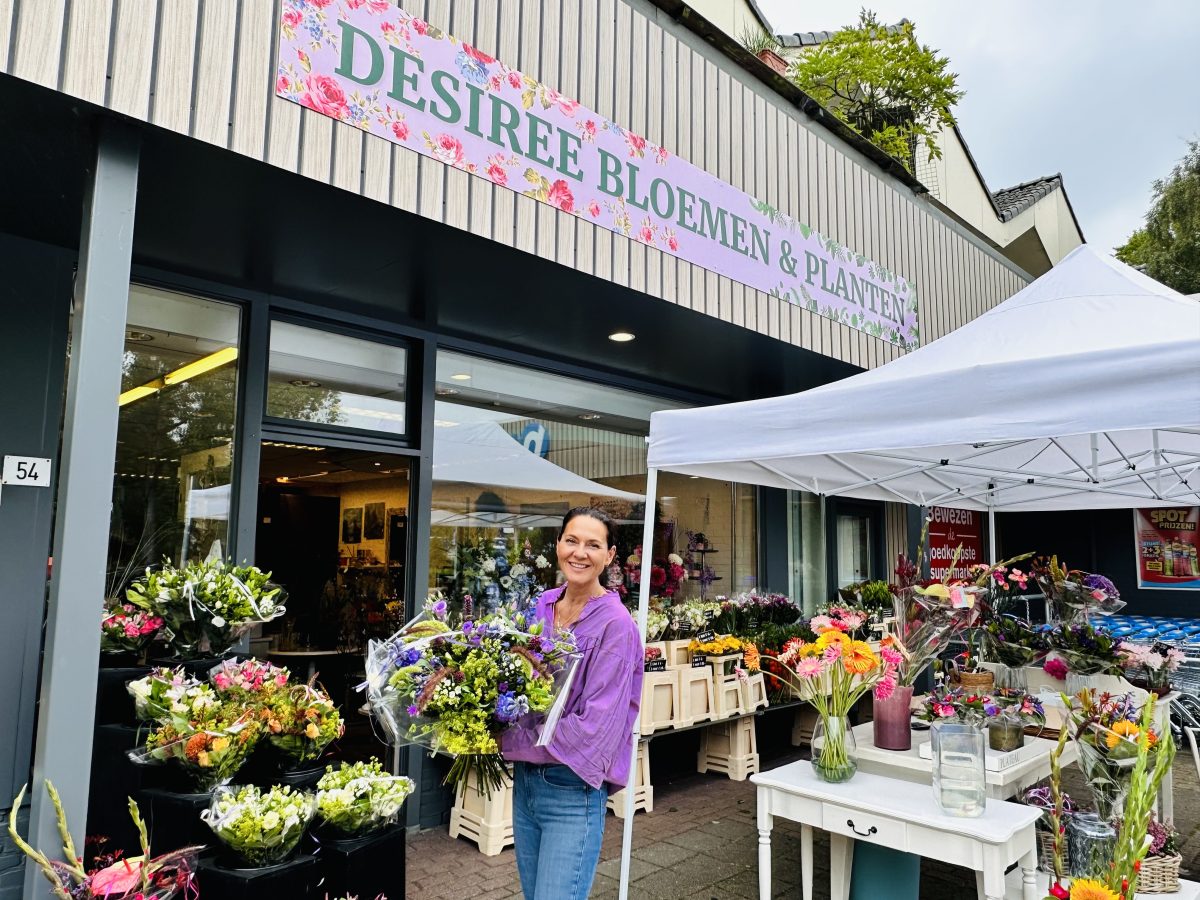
(709, 615)
(706, 636)
(699, 661)
(656, 665)
(683, 627)
(754, 625)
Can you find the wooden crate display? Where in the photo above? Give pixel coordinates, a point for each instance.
(724, 664)
(729, 747)
(485, 820)
(677, 654)
(643, 791)
(697, 701)
(660, 700)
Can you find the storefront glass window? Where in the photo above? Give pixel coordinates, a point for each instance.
(171, 487)
(515, 448)
(806, 541)
(333, 379)
(853, 549)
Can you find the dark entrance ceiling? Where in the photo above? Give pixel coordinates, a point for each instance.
(213, 214)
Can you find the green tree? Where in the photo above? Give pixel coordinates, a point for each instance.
(878, 80)
(1168, 248)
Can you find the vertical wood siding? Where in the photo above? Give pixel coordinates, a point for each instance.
(206, 69)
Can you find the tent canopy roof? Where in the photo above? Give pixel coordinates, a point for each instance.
(1080, 391)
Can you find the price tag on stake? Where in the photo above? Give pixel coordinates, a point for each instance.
(656, 665)
(699, 661)
(28, 471)
(706, 637)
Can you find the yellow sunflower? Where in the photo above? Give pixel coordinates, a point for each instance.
(1122, 729)
(1089, 889)
(858, 658)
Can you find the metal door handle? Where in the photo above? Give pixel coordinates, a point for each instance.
(870, 831)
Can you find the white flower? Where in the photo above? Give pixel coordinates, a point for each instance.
(270, 821)
(520, 570)
(541, 562)
(218, 622)
(506, 582)
(489, 566)
(675, 558)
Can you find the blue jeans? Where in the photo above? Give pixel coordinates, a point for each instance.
(558, 823)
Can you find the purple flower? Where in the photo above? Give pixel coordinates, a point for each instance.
(412, 710)
(439, 609)
(510, 707)
(502, 687)
(1100, 583)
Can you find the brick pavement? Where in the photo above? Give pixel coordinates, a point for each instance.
(701, 842)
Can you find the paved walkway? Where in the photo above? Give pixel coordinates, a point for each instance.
(701, 842)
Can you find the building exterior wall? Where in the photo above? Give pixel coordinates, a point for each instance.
(207, 70)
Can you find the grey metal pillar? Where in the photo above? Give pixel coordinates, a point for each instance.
(67, 701)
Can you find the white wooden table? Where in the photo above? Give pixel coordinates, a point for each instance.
(892, 813)
(908, 765)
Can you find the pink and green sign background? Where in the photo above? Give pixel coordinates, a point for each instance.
(374, 66)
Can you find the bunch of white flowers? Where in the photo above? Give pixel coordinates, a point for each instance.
(261, 827)
(360, 798)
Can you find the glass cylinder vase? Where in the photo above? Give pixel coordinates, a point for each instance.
(1006, 735)
(959, 776)
(893, 720)
(834, 752)
(1091, 843)
(1012, 678)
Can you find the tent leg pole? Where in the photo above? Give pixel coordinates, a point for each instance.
(643, 609)
(992, 535)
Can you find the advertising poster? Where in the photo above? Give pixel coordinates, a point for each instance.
(950, 529)
(1166, 542)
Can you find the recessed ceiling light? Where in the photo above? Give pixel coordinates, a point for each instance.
(622, 337)
(379, 464)
(460, 376)
(304, 382)
(445, 391)
(140, 337)
(589, 417)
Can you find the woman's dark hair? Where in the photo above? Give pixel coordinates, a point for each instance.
(610, 527)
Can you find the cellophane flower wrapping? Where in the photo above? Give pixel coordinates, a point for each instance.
(1086, 649)
(456, 690)
(1012, 642)
(926, 623)
(360, 798)
(171, 692)
(261, 827)
(207, 606)
(210, 747)
(301, 721)
(124, 628)
(1150, 665)
(1105, 729)
(1076, 596)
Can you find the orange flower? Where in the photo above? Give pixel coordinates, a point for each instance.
(750, 656)
(195, 744)
(858, 658)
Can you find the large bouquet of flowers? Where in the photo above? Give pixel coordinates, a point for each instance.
(167, 692)
(752, 611)
(114, 877)
(832, 673)
(1012, 642)
(1074, 595)
(207, 607)
(769, 642)
(1107, 730)
(261, 827)
(126, 629)
(360, 798)
(249, 680)
(210, 746)
(846, 619)
(1149, 666)
(301, 721)
(457, 690)
(1087, 650)
(967, 706)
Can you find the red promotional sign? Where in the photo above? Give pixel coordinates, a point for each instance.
(950, 529)
(1167, 541)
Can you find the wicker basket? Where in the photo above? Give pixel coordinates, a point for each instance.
(975, 680)
(1159, 875)
(1046, 853)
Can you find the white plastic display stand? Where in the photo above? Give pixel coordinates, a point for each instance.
(727, 694)
(660, 700)
(754, 692)
(643, 790)
(485, 820)
(697, 702)
(729, 747)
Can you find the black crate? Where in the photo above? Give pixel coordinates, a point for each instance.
(366, 867)
(300, 878)
(114, 705)
(173, 819)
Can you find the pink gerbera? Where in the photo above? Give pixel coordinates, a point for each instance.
(808, 667)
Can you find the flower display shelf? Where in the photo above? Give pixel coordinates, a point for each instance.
(754, 692)
(485, 820)
(729, 747)
(643, 791)
(727, 694)
(660, 700)
(677, 654)
(173, 818)
(367, 867)
(299, 878)
(697, 698)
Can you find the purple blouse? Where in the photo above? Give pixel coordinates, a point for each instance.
(594, 736)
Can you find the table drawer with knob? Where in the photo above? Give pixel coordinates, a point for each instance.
(862, 826)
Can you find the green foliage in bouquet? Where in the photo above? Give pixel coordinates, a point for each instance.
(261, 827)
(210, 747)
(302, 721)
(360, 798)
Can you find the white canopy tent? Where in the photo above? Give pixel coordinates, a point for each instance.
(1081, 391)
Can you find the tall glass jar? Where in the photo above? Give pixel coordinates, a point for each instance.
(959, 777)
(1091, 842)
(834, 752)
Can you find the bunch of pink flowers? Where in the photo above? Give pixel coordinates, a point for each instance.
(249, 676)
(842, 618)
(127, 629)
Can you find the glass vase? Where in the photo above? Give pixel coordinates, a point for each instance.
(1006, 735)
(893, 720)
(1012, 678)
(959, 777)
(1091, 843)
(834, 752)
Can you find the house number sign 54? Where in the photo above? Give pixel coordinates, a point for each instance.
(27, 471)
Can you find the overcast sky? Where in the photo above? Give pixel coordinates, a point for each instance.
(1106, 93)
